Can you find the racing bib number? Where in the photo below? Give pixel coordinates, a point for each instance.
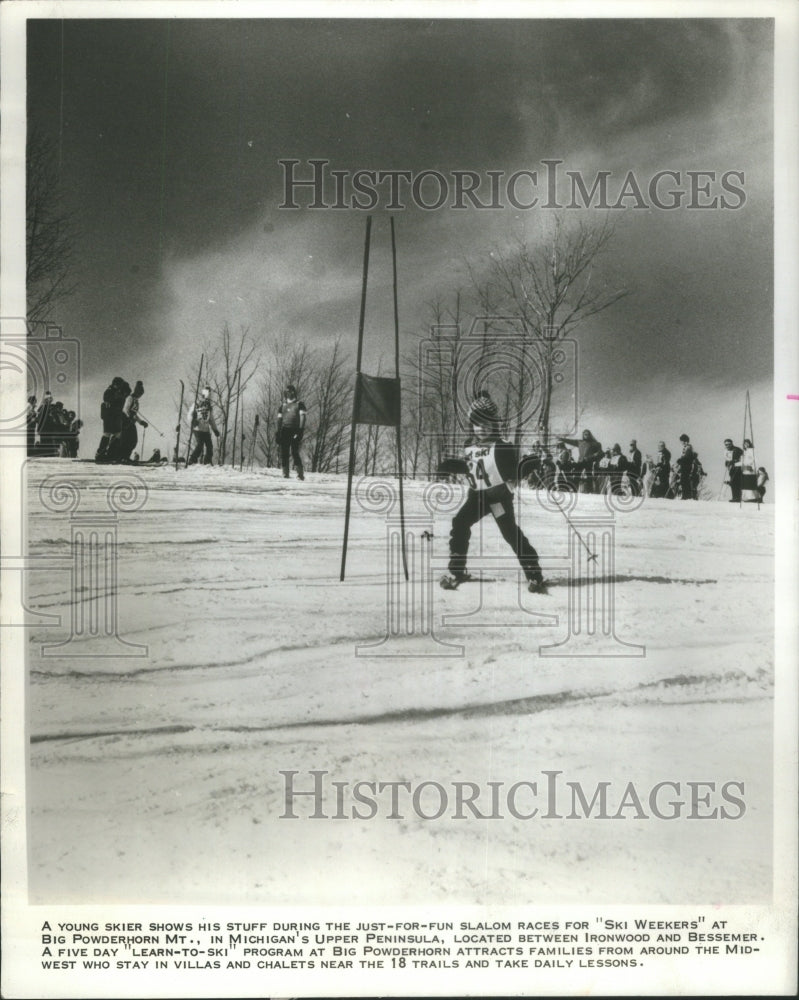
(483, 472)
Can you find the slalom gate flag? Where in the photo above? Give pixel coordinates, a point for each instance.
(377, 400)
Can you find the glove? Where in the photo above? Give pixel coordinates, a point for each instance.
(144, 423)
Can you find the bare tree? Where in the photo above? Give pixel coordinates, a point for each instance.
(552, 286)
(230, 369)
(332, 403)
(50, 231)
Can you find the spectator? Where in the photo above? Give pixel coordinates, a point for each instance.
(618, 466)
(601, 472)
(634, 468)
(749, 492)
(689, 470)
(30, 424)
(661, 472)
(732, 463)
(762, 479)
(589, 452)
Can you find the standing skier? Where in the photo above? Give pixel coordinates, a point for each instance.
(129, 436)
(290, 429)
(489, 464)
(202, 423)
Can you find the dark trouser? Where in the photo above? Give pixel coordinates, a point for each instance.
(636, 482)
(127, 441)
(476, 506)
(290, 446)
(687, 488)
(204, 447)
(735, 484)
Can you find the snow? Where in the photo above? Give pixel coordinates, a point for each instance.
(156, 778)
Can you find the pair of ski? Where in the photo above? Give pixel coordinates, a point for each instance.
(451, 582)
(188, 446)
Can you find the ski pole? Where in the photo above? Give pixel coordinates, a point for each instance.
(151, 424)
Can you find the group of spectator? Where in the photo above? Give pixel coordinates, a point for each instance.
(747, 483)
(52, 429)
(119, 412)
(595, 469)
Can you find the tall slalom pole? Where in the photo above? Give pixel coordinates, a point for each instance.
(196, 396)
(356, 396)
(399, 401)
(236, 415)
(180, 421)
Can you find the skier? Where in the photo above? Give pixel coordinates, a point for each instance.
(201, 422)
(129, 437)
(489, 464)
(111, 415)
(290, 429)
(732, 463)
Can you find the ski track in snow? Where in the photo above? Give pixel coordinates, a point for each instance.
(157, 778)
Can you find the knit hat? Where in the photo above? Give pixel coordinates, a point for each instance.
(484, 412)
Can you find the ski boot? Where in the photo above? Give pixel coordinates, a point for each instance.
(537, 585)
(451, 581)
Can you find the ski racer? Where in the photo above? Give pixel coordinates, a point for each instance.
(490, 463)
(290, 429)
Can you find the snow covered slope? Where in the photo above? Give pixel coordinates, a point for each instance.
(156, 776)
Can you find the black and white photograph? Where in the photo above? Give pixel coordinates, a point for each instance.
(400, 477)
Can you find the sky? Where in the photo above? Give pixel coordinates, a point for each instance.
(169, 135)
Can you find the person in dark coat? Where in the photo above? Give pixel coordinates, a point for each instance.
(635, 468)
(290, 430)
(589, 454)
(617, 468)
(661, 471)
(686, 470)
(490, 463)
(30, 424)
(111, 415)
